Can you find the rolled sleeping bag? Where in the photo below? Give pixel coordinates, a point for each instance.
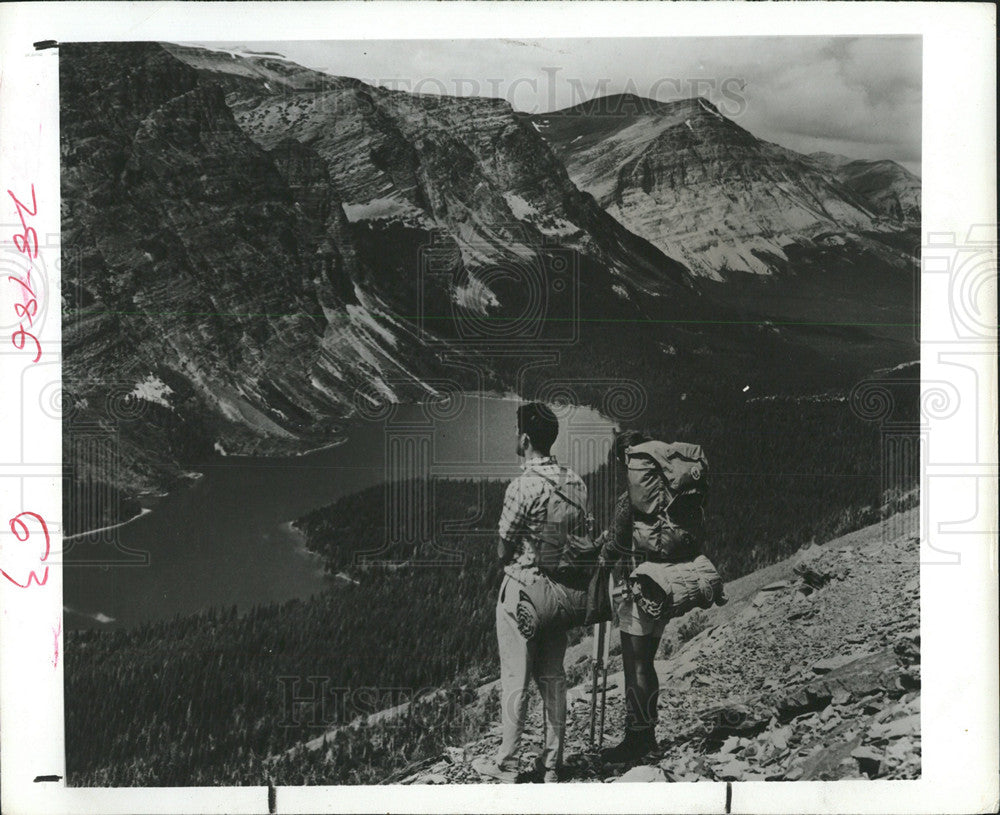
(673, 589)
(544, 605)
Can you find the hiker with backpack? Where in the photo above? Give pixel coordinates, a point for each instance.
(544, 530)
(656, 534)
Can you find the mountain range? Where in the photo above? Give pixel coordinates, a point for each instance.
(706, 191)
(261, 249)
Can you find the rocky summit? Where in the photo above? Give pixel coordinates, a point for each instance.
(810, 672)
(708, 192)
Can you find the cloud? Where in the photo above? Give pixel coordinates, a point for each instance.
(863, 94)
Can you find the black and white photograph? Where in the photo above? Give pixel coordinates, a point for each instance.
(356, 361)
(494, 411)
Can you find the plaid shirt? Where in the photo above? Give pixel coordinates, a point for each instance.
(524, 512)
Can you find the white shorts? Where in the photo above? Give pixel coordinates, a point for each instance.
(630, 619)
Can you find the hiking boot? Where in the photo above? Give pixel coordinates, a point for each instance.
(634, 746)
(489, 767)
(543, 774)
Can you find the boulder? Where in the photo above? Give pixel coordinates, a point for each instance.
(900, 752)
(906, 726)
(456, 754)
(432, 778)
(907, 648)
(813, 575)
(732, 770)
(732, 719)
(841, 696)
(644, 774)
(779, 737)
(730, 745)
(869, 760)
(810, 699)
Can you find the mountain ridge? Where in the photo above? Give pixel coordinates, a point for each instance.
(676, 172)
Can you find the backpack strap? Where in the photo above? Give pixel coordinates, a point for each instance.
(563, 495)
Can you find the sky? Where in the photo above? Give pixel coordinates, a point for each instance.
(856, 96)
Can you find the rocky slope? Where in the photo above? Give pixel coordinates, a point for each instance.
(887, 187)
(709, 193)
(810, 672)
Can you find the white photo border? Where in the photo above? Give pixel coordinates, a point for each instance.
(958, 602)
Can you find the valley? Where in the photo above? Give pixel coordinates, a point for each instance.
(278, 274)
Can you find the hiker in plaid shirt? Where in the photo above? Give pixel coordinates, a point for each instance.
(541, 657)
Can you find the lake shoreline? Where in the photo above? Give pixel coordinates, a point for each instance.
(238, 537)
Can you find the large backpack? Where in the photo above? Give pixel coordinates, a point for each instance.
(567, 553)
(567, 550)
(667, 486)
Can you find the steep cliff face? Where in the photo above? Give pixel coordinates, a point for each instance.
(704, 190)
(468, 171)
(216, 290)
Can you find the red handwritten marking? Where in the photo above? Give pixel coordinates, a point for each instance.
(20, 530)
(20, 338)
(56, 631)
(26, 243)
(29, 232)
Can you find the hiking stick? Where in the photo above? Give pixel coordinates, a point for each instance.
(598, 660)
(604, 691)
(599, 633)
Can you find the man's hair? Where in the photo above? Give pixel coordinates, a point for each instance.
(540, 423)
(626, 439)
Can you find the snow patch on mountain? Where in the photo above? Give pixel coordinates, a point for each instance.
(474, 296)
(529, 213)
(363, 318)
(153, 389)
(383, 209)
(709, 109)
(522, 209)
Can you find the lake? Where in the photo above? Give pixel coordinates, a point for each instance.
(226, 540)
